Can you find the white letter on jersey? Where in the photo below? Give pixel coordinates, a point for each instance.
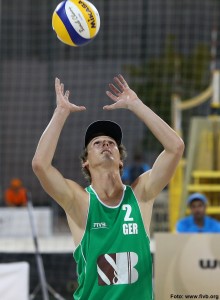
(130, 228)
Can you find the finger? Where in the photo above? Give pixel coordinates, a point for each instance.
(114, 89)
(124, 82)
(62, 88)
(57, 84)
(121, 82)
(76, 108)
(110, 95)
(110, 107)
(67, 93)
(81, 108)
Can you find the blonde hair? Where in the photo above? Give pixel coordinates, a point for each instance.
(84, 155)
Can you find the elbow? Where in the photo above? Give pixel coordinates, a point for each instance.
(180, 147)
(37, 166)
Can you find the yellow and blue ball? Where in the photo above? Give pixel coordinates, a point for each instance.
(76, 22)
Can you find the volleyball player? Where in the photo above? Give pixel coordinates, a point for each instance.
(109, 222)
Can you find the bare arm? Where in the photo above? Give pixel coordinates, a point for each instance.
(151, 183)
(62, 190)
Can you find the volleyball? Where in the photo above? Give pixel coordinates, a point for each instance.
(76, 22)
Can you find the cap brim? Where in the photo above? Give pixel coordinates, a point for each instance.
(108, 128)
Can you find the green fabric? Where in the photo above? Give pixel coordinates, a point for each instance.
(113, 258)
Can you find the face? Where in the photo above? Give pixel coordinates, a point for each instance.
(198, 209)
(102, 149)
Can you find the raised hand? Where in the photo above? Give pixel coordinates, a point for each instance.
(62, 98)
(121, 94)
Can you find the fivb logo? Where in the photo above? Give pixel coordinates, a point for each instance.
(117, 268)
(209, 263)
(99, 225)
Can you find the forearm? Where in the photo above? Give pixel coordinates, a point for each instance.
(49, 139)
(160, 129)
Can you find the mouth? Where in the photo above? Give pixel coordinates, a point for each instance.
(106, 151)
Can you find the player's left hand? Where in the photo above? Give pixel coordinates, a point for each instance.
(121, 94)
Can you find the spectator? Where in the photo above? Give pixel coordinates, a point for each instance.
(16, 194)
(198, 221)
(133, 171)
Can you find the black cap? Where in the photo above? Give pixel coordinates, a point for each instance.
(108, 128)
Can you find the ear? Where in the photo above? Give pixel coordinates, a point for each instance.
(121, 164)
(85, 164)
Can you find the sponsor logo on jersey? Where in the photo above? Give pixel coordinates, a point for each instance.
(99, 225)
(117, 268)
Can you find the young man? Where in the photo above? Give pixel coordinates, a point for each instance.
(197, 221)
(109, 222)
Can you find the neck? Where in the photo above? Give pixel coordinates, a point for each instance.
(199, 222)
(108, 186)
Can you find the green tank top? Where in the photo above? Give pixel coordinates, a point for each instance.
(113, 258)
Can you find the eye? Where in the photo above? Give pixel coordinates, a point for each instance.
(96, 142)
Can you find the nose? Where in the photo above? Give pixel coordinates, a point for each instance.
(105, 143)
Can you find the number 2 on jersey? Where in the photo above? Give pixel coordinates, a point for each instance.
(128, 209)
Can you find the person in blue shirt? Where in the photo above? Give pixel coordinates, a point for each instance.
(197, 221)
(135, 169)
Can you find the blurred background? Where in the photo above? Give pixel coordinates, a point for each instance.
(168, 51)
